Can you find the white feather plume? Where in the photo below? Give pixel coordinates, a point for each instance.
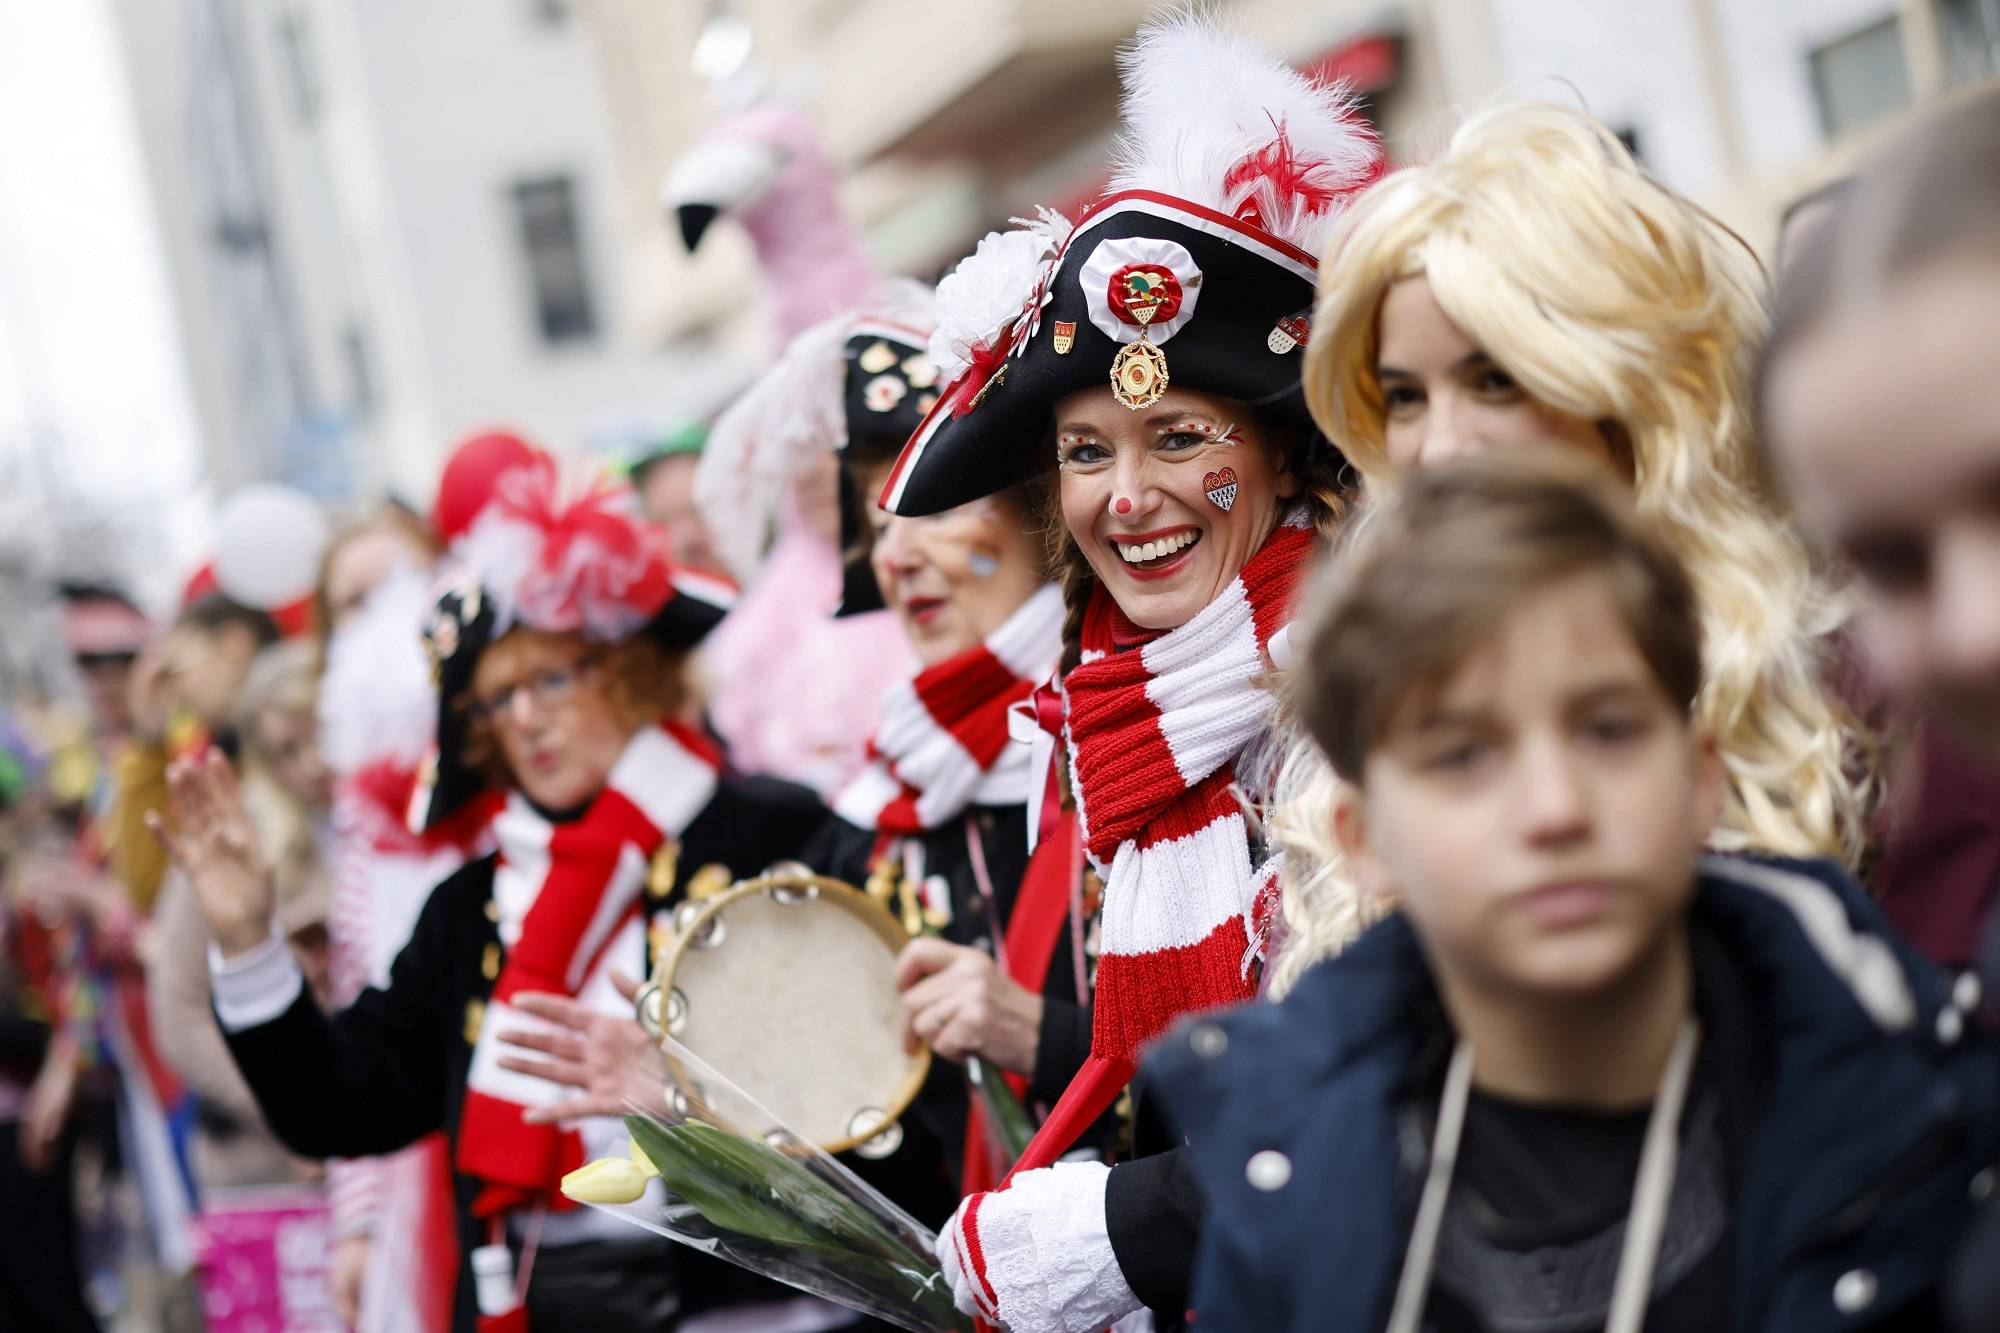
(977, 299)
(376, 700)
(1200, 101)
(792, 416)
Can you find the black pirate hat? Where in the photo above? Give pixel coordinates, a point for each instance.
(1197, 270)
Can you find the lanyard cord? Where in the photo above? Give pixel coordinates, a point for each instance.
(1644, 1225)
(975, 850)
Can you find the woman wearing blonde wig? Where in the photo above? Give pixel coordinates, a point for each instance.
(1533, 283)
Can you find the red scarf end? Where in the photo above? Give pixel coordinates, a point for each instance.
(518, 1164)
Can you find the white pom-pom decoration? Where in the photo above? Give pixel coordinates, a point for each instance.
(990, 287)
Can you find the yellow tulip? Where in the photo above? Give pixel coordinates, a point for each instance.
(606, 1180)
(640, 1160)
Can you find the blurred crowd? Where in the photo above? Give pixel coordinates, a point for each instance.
(348, 770)
(131, 1137)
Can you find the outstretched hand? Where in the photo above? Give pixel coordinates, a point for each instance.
(215, 843)
(604, 1057)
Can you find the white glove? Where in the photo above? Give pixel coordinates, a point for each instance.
(1036, 1256)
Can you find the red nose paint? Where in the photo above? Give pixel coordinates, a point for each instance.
(1124, 506)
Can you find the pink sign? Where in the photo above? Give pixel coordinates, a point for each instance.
(264, 1259)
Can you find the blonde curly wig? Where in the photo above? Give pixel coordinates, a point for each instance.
(1611, 298)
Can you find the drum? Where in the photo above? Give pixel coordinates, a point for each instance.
(786, 986)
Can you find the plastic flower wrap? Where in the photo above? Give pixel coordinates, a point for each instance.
(711, 1167)
(1008, 1127)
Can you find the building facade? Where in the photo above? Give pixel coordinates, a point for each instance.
(389, 225)
(946, 122)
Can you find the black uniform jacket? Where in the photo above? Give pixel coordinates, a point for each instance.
(392, 1066)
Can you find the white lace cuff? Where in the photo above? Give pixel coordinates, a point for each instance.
(1037, 1255)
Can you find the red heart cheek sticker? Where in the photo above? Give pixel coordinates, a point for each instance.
(1221, 487)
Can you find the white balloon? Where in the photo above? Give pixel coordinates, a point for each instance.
(268, 543)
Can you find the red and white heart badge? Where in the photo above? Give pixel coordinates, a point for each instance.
(1221, 487)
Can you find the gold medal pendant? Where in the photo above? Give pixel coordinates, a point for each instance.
(1139, 374)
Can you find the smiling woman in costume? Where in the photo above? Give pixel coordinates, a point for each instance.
(938, 810)
(561, 659)
(1151, 355)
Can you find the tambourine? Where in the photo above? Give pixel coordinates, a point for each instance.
(786, 985)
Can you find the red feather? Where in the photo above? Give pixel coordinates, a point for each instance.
(597, 567)
(1276, 178)
(982, 364)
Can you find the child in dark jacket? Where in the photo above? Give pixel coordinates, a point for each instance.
(1585, 1077)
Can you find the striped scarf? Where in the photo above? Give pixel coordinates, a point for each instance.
(1154, 734)
(565, 893)
(943, 744)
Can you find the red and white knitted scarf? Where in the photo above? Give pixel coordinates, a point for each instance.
(943, 744)
(1156, 723)
(564, 893)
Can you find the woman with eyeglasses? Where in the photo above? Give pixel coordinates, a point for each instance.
(561, 658)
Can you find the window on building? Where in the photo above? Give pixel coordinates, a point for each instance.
(1970, 31)
(1860, 78)
(301, 66)
(552, 240)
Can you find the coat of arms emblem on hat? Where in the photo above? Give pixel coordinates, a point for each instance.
(1289, 332)
(1140, 291)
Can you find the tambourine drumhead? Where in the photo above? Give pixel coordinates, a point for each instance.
(786, 985)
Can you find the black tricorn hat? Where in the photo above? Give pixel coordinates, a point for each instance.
(1196, 271)
(851, 387)
(891, 382)
(1148, 291)
(465, 622)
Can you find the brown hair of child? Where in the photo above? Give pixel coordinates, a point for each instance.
(1427, 577)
